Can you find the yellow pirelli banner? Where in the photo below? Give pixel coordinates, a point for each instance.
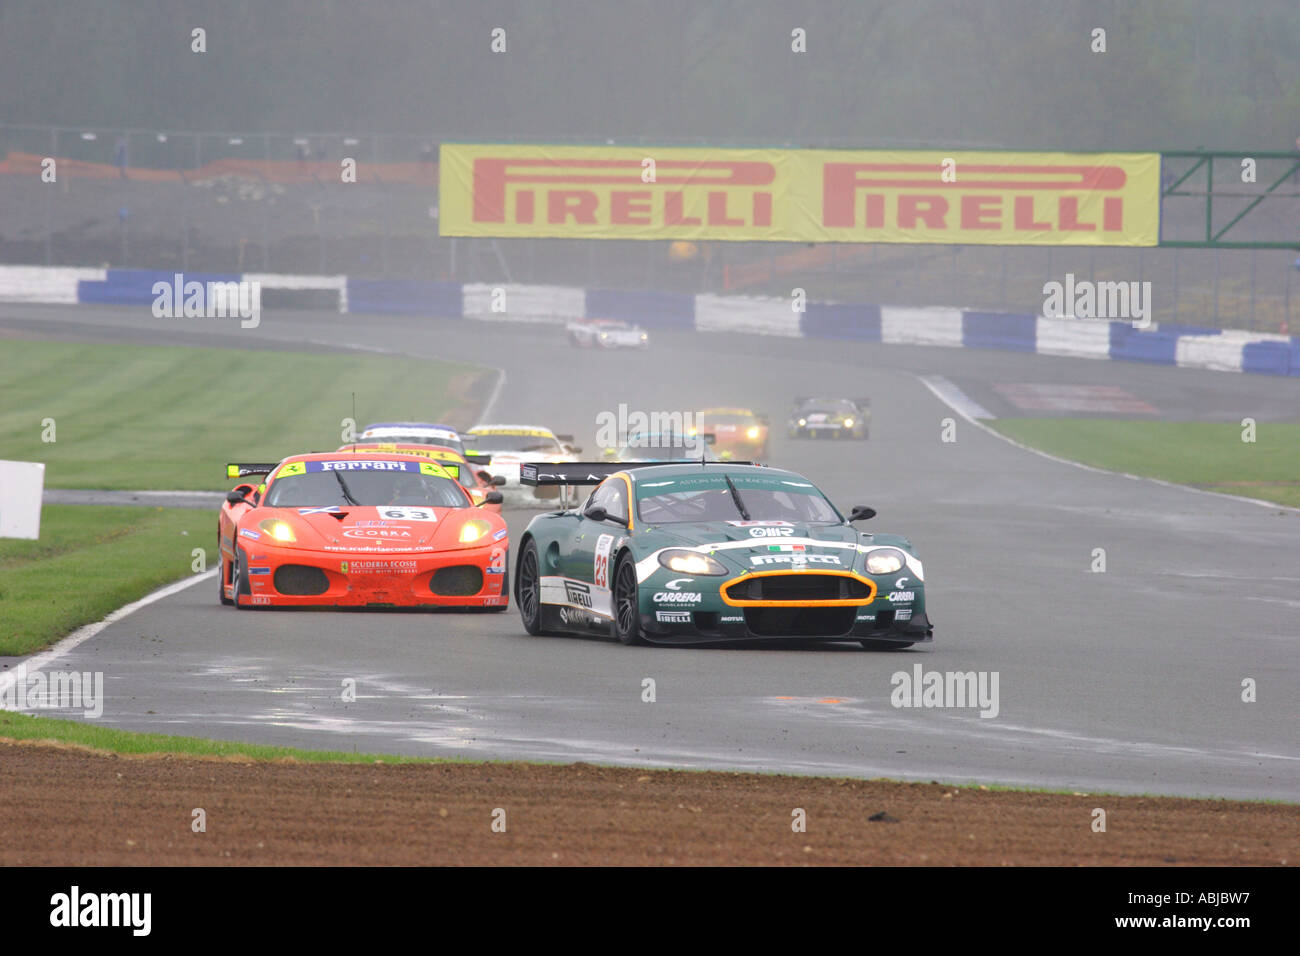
(800, 195)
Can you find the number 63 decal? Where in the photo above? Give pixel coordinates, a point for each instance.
(408, 514)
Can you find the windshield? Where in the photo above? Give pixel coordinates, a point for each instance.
(708, 498)
(664, 448)
(828, 408)
(728, 418)
(365, 483)
(391, 437)
(498, 441)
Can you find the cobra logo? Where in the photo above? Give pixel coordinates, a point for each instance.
(376, 533)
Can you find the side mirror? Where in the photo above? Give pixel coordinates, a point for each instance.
(861, 513)
(236, 497)
(596, 513)
(574, 449)
(493, 498)
(498, 480)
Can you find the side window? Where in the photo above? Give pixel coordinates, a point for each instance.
(612, 496)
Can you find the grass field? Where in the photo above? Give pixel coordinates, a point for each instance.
(16, 726)
(128, 416)
(90, 561)
(1202, 454)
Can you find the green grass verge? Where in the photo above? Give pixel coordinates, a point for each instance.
(1202, 454)
(130, 416)
(90, 561)
(26, 727)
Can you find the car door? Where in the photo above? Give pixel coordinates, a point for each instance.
(587, 562)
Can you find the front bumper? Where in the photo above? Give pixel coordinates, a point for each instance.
(735, 624)
(826, 431)
(810, 605)
(470, 577)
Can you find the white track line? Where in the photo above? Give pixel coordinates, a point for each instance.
(944, 389)
(83, 634)
(485, 415)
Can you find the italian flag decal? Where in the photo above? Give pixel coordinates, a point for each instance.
(785, 547)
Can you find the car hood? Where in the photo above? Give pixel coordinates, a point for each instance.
(756, 545)
(367, 529)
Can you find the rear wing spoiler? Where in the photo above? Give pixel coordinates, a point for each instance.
(245, 469)
(593, 472)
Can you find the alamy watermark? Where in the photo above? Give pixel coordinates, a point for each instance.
(943, 689)
(1086, 299)
(56, 690)
(637, 429)
(213, 300)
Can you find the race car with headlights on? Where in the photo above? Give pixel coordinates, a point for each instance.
(709, 553)
(830, 418)
(476, 480)
(411, 433)
(503, 448)
(737, 432)
(365, 529)
(606, 334)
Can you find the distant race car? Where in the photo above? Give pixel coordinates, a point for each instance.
(663, 446)
(365, 529)
(698, 553)
(411, 433)
(476, 480)
(502, 448)
(830, 418)
(606, 334)
(738, 433)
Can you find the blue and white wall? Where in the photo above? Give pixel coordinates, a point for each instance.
(1223, 349)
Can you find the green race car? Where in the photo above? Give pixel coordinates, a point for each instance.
(707, 552)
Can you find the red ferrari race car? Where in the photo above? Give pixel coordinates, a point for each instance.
(477, 481)
(359, 530)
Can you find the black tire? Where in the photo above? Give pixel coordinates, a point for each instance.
(626, 603)
(528, 589)
(871, 645)
(240, 579)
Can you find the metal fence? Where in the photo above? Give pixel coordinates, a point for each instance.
(238, 217)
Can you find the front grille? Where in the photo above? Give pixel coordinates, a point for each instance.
(460, 580)
(299, 579)
(799, 587)
(800, 621)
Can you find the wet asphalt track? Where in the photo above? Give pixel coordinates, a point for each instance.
(1128, 680)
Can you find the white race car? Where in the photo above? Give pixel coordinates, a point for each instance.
(508, 446)
(606, 334)
(411, 433)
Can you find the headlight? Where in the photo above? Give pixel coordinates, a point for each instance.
(885, 561)
(803, 422)
(644, 337)
(277, 529)
(471, 531)
(752, 432)
(848, 423)
(691, 562)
